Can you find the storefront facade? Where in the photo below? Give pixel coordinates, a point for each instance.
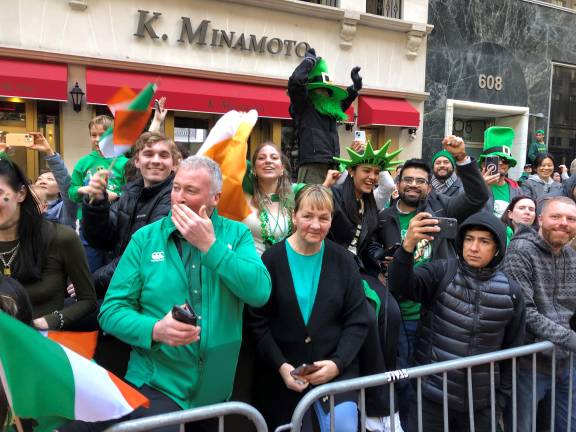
(502, 62)
(208, 57)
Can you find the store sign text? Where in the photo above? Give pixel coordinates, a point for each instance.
(204, 35)
(490, 82)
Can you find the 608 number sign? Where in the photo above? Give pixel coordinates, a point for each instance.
(490, 82)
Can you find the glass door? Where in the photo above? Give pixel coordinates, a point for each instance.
(19, 116)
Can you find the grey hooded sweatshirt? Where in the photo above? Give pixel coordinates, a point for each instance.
(548, 282)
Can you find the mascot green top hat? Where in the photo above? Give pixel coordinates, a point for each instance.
(498, 141)
(370, 157)
(319, 78)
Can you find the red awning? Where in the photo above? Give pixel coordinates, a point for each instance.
(32, 80)
(376, 111)
(193, 94)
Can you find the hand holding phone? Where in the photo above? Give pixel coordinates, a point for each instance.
(448, 228)
(19, 140)
(360, 136)
(492, 164)
(185, 314)
(304, 369)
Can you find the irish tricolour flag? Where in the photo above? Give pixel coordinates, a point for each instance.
(44, 379)
(131, 113)
(227, 144)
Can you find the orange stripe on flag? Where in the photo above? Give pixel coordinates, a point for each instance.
(83, 343)
(121, 99)
(134, 398)
(231, 155)
(128, 125)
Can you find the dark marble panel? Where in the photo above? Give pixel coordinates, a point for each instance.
(513, 39)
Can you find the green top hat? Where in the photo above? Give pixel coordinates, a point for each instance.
(370, 157)
(498, 141)
(319, 78)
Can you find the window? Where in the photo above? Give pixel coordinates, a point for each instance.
(190, 133)
(564, 3)
(562, 129)
(387, 8)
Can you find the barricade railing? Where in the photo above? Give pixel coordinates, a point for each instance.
(418, 372)
(193, 415)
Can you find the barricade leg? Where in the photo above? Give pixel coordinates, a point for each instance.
(564, 386)
(431, 420)
(526, 404)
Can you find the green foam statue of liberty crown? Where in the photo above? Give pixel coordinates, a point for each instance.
(370, 157)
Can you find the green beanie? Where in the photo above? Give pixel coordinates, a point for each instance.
(447, 155)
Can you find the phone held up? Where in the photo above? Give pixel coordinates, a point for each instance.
(185, 314)
(492, 164)
(360, 136)
(448, 228)
(19, 140)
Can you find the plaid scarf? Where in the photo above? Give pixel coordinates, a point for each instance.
(441, 187)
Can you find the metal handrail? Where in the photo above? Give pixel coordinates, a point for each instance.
(186, 416)
(415, 372)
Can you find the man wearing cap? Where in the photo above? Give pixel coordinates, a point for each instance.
(498, 142)
(537, 147)
(444, 179)
(316, 105)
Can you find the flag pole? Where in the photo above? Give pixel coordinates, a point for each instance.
(17, 421)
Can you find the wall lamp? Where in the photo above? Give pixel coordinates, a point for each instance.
(77, 95)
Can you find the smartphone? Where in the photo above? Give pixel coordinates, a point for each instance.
(185, 315)
(448, 228)
(492, 164)
(19, 140)
(304, 369)
(360, 135)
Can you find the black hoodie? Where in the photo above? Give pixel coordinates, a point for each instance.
(466, 311)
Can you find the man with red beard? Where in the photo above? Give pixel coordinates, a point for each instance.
(545, 266)
(316, 105)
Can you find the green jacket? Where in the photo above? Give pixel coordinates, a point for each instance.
(535, 149)
(89, 165)
(150, 279)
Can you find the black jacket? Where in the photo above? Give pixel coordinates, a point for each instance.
(335, 331)
(466, 312)
(110, 227)
(317, 133)
(475, 195)
(343, 229)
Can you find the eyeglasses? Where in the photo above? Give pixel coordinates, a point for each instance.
(418, 180)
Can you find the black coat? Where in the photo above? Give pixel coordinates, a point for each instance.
(335, 331)
(466, 312)
(460, 207)
(317, 133)
(110, 227)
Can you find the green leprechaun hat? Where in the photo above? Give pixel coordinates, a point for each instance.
(370, 157)
(319, 78)
(498, 141)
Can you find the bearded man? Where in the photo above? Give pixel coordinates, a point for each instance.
(444, 178)
(316, 105)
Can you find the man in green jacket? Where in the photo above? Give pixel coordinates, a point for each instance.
(536, 147)
(192, 255)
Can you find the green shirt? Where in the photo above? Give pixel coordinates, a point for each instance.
(191, 258)
(501, 196)
(305, 271)
(409, 309)
(89, 165)
(509, 234)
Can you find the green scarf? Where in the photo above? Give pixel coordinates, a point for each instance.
(328, 106)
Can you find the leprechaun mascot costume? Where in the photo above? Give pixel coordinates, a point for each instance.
(316, 105)
(498, 141)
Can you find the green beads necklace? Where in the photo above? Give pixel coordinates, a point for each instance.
(266, 230)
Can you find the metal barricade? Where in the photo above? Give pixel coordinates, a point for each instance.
(193, 415)
(390, 378)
